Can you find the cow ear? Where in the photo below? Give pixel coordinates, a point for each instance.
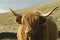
(42, 19)
(18, 19)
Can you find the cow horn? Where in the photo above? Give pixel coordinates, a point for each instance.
(15, 14)
(50, 12)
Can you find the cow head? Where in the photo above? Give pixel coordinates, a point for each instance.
(32, 21)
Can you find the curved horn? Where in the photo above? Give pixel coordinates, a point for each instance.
(18, 16)
(50, 12)
(15, 14)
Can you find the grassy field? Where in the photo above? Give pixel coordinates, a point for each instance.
(7, 20)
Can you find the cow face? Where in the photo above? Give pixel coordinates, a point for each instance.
(32, 22)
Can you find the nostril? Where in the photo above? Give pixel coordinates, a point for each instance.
(30, 32)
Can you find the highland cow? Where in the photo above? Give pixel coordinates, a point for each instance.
(36, 26)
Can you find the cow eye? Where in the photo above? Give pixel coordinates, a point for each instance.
(42, 20)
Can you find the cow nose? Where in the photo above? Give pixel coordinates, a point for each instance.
(30, 32)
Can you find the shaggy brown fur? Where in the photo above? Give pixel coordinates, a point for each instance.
(36, 26)
(44, 28)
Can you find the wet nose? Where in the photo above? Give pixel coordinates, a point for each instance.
(30, 32)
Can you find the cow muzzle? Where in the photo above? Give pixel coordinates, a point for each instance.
(29, 32)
